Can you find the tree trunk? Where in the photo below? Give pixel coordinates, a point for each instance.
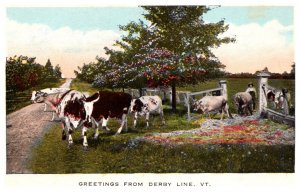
(173, 97)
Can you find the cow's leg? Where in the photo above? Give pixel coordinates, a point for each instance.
(53, 116)
(126, 125)
(135, 119)
(147, 119)
(250, 110)
(85, 143)
(122, 124)
(70, 131)
(64, 134)
(104, 124)
(162, 116)
(96, 126)
(227, 111)
(222, 113)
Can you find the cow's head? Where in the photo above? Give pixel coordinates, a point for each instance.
(38, 96)
(136, 105)
(271, 95)
(239, 103)
(279, 97)
(89, 105)
(198, 106)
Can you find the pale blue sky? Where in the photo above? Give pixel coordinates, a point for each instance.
(104, 18)
(109, 18)
(73, 36)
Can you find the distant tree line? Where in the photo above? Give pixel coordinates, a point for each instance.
(284, 75)
(23, 73)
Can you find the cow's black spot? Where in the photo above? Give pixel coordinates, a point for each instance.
(138, 104)
(110, 104)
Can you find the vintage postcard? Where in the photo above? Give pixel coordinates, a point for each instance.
(142, 97)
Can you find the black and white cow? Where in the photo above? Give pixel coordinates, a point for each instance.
(39, 95)
(104, 105)
(72, 113)
(69, 108)
(209, 104)
(146, 105)
(243, 102)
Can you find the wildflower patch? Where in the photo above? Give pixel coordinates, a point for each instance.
(246, 131)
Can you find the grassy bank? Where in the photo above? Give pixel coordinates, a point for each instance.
(117, 154)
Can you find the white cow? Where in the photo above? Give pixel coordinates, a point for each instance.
(212, 104)
(36, 95)
(146, 105)
(243, 102)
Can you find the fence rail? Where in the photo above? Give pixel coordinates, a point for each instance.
(205, 91)
(279, 117)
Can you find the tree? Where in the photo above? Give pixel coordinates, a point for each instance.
(118, 72)
(20, 76)
(292, 74)
(57, 72)
(176, 48)
(49, 69)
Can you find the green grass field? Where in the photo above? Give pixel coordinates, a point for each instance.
(117, 154)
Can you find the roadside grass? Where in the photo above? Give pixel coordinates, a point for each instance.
(83, 86)
(18, 100)
(119, 154)
(123, 154)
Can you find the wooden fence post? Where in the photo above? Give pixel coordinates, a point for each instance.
(188, 106)
(262, 88)
(223, 85)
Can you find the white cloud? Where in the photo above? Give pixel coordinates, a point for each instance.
(258, 46)
(64, 46)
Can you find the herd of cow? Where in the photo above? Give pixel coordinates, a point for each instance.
(75, 110)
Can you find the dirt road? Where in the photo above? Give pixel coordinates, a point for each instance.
(24, 129)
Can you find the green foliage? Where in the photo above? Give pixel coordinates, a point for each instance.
(175, 48)
(22, 74)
